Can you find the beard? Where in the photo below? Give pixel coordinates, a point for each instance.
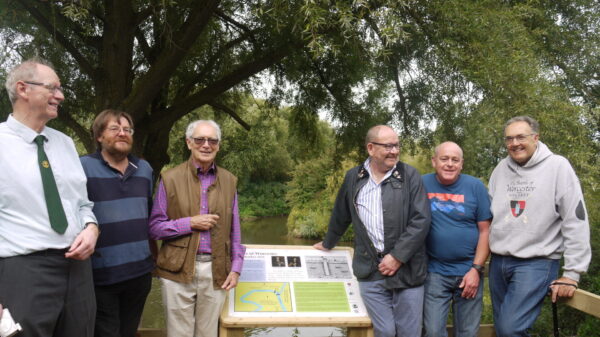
(117, 152)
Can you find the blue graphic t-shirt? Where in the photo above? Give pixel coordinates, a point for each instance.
(455, 211)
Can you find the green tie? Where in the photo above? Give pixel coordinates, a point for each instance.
(58, 219)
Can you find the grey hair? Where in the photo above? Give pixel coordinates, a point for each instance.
(26, 71)
(533, 124)
(189, 131)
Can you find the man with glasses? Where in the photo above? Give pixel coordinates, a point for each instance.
(385, 201)
(196, 215)
(457, 245)
(47, 227)
(539, 216)
(120, 185)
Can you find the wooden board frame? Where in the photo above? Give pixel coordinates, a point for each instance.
(234, 326)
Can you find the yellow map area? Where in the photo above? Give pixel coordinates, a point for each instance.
(263, 297)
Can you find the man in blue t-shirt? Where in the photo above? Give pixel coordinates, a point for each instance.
(457, 245)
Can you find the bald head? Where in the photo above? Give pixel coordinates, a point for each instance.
(448, 146)
(447, 162)
(373, 133)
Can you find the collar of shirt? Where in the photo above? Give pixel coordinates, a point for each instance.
(368, 169)
(22, 130)
(131, 166)
(211, 170)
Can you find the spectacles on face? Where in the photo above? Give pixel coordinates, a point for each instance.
(51, 87)
(117, 129)
(202, 140)
(519, 138)
(388, 147)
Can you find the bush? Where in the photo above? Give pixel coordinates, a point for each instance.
(311, 195)
(258, 199)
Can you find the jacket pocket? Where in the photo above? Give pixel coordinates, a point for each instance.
(362, 264)
(172, 254)
(413, 273)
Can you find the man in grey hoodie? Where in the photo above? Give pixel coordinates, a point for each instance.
(538, 216)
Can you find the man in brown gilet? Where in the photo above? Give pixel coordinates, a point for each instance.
(196, 215)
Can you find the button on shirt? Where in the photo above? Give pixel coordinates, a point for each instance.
(24, 223)
(161, 227)
(368, 205)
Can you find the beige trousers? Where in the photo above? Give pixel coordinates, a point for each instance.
(193, 309)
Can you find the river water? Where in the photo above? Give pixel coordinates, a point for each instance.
(272, 231)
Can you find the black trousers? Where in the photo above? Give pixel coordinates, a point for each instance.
(48, 294)
(120, 306)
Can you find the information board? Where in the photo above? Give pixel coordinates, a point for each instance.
(277, 281)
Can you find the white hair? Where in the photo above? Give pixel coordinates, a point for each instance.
(25, 71)
(189, 131)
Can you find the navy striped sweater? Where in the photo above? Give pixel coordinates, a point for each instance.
(122, 204)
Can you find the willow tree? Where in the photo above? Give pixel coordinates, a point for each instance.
(413, 63)
(158, 60)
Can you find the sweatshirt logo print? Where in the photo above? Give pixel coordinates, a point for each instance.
(517, 207)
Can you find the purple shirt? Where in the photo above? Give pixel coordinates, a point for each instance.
(161, 227)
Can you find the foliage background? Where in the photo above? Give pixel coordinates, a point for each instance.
(436, 70)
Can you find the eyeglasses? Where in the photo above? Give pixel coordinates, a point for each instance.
(117, 129)
(388, 147)
(53, 88)
(202, 140)
(519, 138)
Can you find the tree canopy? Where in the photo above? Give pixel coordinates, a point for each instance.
(435, 69)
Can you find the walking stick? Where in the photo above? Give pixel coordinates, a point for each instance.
(555, 319)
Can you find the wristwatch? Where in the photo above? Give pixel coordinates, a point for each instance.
(480, 269)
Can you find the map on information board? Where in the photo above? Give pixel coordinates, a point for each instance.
(280, 282)
(263, 297)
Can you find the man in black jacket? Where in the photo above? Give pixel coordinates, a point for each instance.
(386, 202)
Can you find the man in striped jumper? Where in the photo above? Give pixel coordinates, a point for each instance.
(120, 185)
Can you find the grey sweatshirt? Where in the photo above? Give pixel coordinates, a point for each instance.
(539, 211)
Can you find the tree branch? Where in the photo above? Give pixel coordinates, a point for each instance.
(169, 59)
(143, 15)
(230, 112)
(395, 71)
(218, 87)
(77, 29)
(146, 50)
(85, 65)
(82, 133)
(246, 30)
(210, 64)
(338, 100)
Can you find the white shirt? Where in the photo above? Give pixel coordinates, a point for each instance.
(24, 223)
(370, 212)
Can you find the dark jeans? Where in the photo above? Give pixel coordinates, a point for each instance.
(48, 294)
(120, 306)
